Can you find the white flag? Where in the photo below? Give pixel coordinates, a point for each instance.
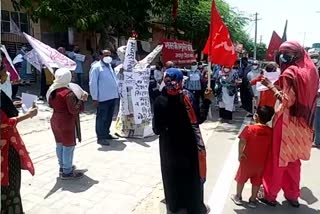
(50, 57)
(33, 59)
(14, 27)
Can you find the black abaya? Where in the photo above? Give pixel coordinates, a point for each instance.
(179, 154)
(246, 93)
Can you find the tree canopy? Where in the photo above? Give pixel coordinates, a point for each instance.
(120, 17)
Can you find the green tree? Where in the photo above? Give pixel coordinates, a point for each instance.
(261, 51)
(194, 20)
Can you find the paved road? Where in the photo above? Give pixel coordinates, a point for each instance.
(125, 178)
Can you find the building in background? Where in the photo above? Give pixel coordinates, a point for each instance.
(13, 22)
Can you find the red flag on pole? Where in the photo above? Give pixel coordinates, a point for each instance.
(274, 46)
(219, 47)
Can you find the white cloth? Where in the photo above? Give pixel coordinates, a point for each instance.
(253, 74)
(63, 80)
(158, 75)
(227, 100)
(6, 86)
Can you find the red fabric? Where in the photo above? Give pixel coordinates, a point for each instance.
(202, 155)
(66, 109)
(11, 137)
(178, 51)
(254, 81)
(267, 98)
(274, 45)
(276, 178)
(258, 142)
(219, 47)
(299, 84)
(14, 76)
(246, 172)
(305, 78)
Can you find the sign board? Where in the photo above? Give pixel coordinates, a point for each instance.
(177, 51)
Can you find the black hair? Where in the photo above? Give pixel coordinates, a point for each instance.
(265, 114)
(7, 106)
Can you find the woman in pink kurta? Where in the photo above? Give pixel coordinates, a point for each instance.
(293, 123)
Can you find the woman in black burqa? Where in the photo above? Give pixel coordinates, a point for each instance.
(182, 151)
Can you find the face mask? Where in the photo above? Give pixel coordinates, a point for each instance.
(255, 67)
(286, 58)
(107, 59)
(76, 51)
(193, 67)
(315, 61)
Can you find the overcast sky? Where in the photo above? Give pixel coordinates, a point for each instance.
(303, 19)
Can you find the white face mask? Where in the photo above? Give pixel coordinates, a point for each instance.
(255, 67)
(194, 67)
(315, 61)
(107, 59)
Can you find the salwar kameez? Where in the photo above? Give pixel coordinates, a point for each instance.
(293, 133)
(275, 177)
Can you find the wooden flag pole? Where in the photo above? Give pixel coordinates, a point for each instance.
(209, 75)
(210, 117)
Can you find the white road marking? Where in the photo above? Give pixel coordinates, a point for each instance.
(221, 189)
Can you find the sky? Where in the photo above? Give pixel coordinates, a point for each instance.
(303, 18)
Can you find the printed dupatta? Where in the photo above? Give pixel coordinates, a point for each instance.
(190, 107)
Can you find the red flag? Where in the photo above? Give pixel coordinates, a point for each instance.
(274, 46)
(219, 47)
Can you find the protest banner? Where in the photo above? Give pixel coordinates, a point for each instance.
(177, 51)
(50, 57)
(33, 59)
(123, 93)
(134, 117)
(130, 56)
(140, 96)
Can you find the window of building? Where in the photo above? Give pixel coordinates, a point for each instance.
(20, 19)
(5, 21)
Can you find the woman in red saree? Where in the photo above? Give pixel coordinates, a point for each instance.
(293, 123)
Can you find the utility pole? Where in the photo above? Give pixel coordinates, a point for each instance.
(304, 38)
(260, 39)
(255, 36)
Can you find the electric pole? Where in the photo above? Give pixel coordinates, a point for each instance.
(255, 36)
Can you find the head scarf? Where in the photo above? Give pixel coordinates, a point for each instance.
(173, 81)
(305, 80)
(63, 79)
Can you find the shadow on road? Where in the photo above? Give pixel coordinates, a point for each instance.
(74, 186)
(280, 209)
(308, 196)
(115, 145)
